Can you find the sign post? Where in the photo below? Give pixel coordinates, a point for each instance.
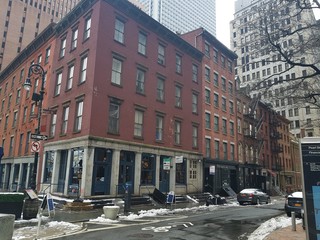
(310, 157)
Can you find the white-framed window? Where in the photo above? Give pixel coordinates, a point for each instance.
(119, 31)
(78, 116)
(140, 81)
(83, 70)
(193, 169)
(87, 28)
(138, 123)
(70, 77)
(194, 103)
(114, 115)
(159, 128)
(195, 134)
(58, 84)
(53, 124)
(177, 132)
(48, 50)
(65, 118)
(116, 71)
(160, 90)
(178, 63)
(194, 73)
(178, 94)
(63, 47)
(142, 43)
(161, 54)
(74, 39)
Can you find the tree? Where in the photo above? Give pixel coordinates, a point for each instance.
(287, 31)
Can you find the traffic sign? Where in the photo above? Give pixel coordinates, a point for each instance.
(38, 137)
(35, 146)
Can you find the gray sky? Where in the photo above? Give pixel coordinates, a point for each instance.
(224, 12)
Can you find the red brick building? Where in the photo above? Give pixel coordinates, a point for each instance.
(18, 111)
(126, 97)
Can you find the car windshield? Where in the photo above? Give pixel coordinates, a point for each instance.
(296, 195)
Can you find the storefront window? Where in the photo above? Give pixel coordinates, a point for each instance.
(148, 168)
(48, 167)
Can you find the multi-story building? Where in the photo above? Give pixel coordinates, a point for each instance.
(118, 105)
(264, 71)
(22, 21)
(19, 111)
(182, 16)
(219, 115)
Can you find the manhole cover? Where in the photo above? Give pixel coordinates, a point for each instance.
(141, 235)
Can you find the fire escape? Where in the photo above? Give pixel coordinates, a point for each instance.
(253, 137)
(276, 148)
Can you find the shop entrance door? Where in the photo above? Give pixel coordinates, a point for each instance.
(126, 171)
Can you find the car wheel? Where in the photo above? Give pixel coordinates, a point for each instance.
(268, 200)
(241, 203)
(207, 204)
(289, 214)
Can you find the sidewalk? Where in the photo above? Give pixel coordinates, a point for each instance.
(287, 233)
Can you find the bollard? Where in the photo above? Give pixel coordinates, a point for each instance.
(6, 226)
(293, 221)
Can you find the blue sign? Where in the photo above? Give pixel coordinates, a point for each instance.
(170, 197)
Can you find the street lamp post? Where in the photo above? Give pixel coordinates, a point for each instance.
(36, 69)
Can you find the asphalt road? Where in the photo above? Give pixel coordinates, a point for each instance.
(224, 223)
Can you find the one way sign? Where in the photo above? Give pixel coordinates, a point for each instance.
(38, 137)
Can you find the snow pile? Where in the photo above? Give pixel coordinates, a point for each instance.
(271, 225)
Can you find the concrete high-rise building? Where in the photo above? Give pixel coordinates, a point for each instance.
(21, 21)
(265, 72)
(182, 16)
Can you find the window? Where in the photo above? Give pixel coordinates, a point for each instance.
(224, 126)
(231, 107)
(18, 96)
(216, 149)
(215, 79)
(142, 43)
(215, 55)
(308, 110)
(119, 31)
(177, 132)
(223, 61)
(193, 169)
(20, 144)
(194, 103)
(181, 172)
(15, 118)
(70, 77)
(231, 128)
(208, 120)
(87, 27)
(296, 112)
(148, 169)
(194, 73)
(230, 66)
(232, 152)
(27, 146)
(216, 124)
(53, 124)
(208, 147)
(159, 128)
(225, 151)
(161, 54)
(194, 136)
(178, 64)
(63, 47)
(207, 93)
(48, 167)
(140, 81)
(207, 49)
(138, 123)
(160, 90)
(83, 72)
(114, 110)
(224, 104)
(223, 84)
(74, 39)
(58, 84)
(25, 113)
(65, 117)
(78, 119)
(178, 102)
(11, 146)
(47, 55)
(216, 99)
(116, 71)
(207, 73)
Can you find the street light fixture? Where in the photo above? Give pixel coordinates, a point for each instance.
(36, 69)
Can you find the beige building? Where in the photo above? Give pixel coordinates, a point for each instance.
(22, 20)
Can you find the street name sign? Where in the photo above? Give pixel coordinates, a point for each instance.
(38, 137)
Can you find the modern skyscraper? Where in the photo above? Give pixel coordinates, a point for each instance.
(21, 21)
(182, 16)
(266, 69)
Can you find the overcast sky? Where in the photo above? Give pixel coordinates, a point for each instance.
(224, 12)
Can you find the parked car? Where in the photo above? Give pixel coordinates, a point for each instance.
(294, 203)
(252, 196)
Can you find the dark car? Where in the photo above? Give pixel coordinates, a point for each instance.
(252, 196)
(294, 203)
